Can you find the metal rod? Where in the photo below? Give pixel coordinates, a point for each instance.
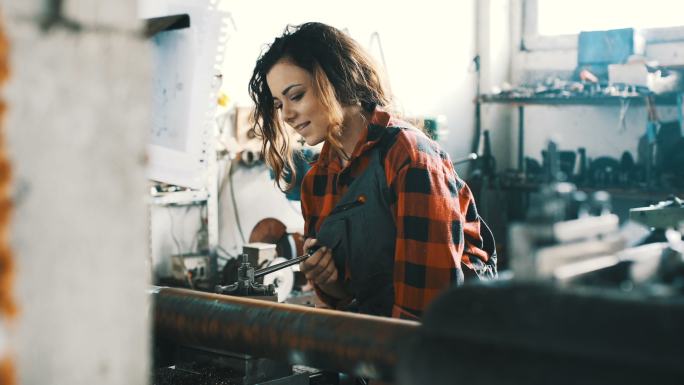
(472, 156)
(294, 261)
(521, 139)
(271, 269)
(357, 344)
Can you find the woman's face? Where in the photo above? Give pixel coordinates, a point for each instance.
(296, 99)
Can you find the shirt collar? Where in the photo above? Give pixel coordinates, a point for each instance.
(371, 135)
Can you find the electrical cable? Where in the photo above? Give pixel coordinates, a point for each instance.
(224, 179)
(376, 36)
(173, 235)
(624, 107)
(193, 243)
(235, 207)
(228, 256)
(203, 227)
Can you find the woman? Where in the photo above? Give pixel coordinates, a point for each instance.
(393, 222)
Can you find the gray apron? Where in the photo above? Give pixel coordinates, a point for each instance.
(362, 234)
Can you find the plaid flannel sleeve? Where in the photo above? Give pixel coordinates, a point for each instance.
(437, 229)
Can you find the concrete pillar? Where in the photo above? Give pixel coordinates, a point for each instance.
(78, 116)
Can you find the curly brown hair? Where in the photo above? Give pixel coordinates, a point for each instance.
(343, 75)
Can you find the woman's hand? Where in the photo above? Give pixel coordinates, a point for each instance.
(319, 267)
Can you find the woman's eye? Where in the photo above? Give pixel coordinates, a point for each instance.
(297, 97)
(278, 106)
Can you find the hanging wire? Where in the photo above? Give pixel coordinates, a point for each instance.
(203, 226)
(235, 207)
(375, 36)
(226, 174)
(224, 254)
(624, 107)
(173, 235)
(229, 16)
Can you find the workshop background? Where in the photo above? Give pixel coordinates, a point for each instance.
(574, 112)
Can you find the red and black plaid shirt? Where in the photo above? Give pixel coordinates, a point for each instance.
(438, 228)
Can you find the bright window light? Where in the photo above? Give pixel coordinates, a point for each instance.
(558, 17)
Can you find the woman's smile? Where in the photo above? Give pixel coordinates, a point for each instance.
(301, 126)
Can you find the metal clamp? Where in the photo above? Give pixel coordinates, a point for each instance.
(52, 16)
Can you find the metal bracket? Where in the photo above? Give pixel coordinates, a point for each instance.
(52, 17)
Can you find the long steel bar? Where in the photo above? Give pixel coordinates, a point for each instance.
(521, 138)
(271, 269)
(357, 344)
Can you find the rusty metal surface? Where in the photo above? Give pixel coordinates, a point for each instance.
(357, 344)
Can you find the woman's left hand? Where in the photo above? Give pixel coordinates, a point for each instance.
(320, 266)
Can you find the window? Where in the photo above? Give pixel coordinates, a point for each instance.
(554, 24)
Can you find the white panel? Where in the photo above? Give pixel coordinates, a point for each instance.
(184, 96)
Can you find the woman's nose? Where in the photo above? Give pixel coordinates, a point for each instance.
(288, 113)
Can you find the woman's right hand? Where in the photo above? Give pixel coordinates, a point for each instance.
(320, 266)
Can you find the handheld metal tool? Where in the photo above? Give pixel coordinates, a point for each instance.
(293, 261)
(472, 156)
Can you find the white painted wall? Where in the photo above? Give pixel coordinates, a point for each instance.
(78, 113)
